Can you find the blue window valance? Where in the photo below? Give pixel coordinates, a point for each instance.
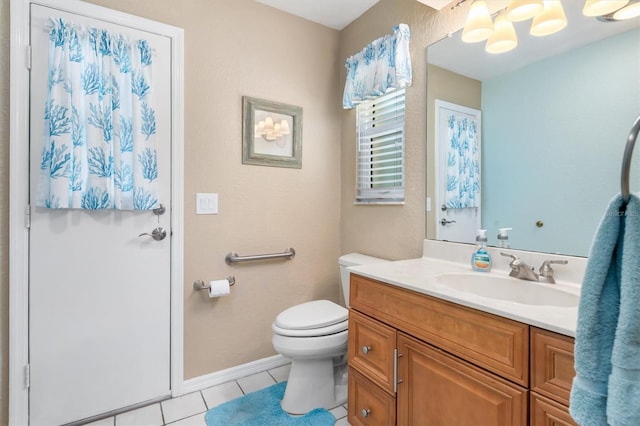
(381, 67)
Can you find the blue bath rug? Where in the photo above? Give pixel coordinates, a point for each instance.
(262, 408)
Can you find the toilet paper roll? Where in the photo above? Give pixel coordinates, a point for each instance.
(219, 288)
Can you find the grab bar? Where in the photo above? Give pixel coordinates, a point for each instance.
(626, 162)
(235, 258)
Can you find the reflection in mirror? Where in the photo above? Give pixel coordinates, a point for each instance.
(556, 113)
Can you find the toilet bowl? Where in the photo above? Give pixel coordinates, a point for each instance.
(314, 336)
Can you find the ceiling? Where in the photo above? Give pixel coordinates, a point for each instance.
(335, 14)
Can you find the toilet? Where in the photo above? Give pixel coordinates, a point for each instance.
(314, 336)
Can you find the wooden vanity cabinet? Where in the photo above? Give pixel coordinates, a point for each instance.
(418, 360)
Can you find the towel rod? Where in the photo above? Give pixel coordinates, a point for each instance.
(626, 160)
(201, 285)
(235, 258)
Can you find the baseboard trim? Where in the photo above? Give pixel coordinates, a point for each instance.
(233, 373)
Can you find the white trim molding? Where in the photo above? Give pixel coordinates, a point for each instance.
(233, 373)
(18, 201)
(19, 191)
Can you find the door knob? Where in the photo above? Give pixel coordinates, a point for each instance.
(445, 222)
(157, 234)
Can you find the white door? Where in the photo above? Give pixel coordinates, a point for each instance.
(99, 295)
(452, 223)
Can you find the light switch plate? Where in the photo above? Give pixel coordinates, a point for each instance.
(206, 203)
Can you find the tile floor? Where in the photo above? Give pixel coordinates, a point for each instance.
(188, 410)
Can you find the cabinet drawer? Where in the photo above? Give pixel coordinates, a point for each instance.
(371, 349)
(368, 404)
(545, 412)
(500, 345)
(436, 388)
(552, 364)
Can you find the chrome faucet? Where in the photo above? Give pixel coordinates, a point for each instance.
(546, 272)
(519, 269)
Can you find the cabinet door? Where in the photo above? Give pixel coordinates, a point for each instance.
(552, 361)
(371, 346)
(368, 404)
(438, 389)
(546, 412)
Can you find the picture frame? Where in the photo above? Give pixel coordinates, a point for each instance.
(271, 133)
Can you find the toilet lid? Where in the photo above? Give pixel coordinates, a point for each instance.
(311, 315)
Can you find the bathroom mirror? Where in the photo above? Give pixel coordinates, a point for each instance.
(556, 114)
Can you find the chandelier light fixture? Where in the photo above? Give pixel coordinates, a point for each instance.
(271, 131)
(547, 16)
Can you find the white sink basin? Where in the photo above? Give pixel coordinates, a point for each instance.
(509, 289)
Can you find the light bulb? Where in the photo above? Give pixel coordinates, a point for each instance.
(602, 7)
(520, 10)
(284, 127)
(629, 12)
(479, 26)
(551, 20)
(504, 36)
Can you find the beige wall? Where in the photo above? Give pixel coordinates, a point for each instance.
(240, 47)
(451, 87)
(393, 232)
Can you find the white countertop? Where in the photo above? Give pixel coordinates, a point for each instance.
(419, 275)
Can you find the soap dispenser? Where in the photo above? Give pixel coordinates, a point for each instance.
(503, 237)
(481, 259)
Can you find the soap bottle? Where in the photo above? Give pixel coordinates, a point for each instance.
(503, 237)
(481, 259)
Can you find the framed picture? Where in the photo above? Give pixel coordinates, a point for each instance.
(271, 133)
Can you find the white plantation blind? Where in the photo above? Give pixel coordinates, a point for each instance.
(380, 150)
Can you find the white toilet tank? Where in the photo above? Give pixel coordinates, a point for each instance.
(353, 259)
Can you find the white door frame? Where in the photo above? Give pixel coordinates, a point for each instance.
(19, 191)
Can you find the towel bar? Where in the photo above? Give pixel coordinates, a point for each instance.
(626, 161)
(201, 285)
(235, 258)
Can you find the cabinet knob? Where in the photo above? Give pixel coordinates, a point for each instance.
(365, 412)
(366, 349)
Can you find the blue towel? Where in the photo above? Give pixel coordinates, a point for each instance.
(606, 389)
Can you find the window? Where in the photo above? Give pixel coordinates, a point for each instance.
(380, 150)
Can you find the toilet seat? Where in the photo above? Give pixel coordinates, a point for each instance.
(310, 319)
(311, 332)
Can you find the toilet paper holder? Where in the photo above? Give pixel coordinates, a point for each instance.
(201, 285)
